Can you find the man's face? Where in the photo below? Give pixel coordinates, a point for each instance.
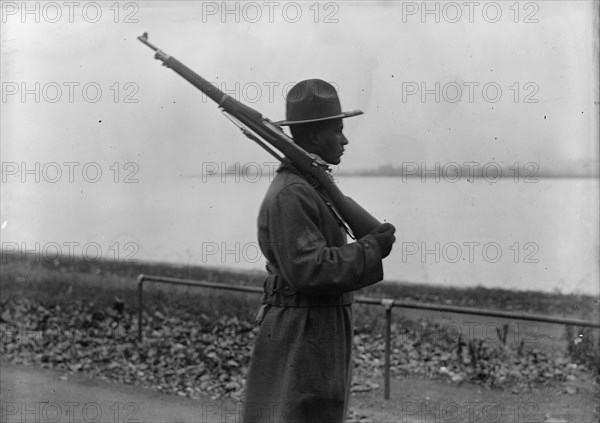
(329, 141)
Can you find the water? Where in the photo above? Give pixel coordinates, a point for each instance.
(512, 235)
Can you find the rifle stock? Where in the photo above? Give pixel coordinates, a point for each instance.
(356, 217)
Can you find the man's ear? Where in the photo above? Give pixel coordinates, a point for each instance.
(313, 138)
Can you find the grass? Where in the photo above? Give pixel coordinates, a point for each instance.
(100, 281)
(539, 301)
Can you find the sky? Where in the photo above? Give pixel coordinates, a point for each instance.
(540, 73)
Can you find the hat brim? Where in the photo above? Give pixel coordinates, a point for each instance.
(340, 116)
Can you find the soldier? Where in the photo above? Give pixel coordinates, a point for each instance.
(301, 368)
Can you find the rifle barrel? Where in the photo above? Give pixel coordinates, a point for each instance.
(359, 220)
(144, 39)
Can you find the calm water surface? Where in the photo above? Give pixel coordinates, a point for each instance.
(514, 235)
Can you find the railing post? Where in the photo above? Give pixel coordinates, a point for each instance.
(387, 304)
(140, 279)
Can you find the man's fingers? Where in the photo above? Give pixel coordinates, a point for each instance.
(386, 227)
(389, 231)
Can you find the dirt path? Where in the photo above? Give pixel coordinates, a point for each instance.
(31, 394)
(424, 400)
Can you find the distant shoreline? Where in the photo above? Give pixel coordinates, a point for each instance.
(254, 175)
(444, 176)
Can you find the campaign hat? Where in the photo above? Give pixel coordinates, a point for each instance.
(313, 100)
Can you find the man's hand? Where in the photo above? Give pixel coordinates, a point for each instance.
(384, 234)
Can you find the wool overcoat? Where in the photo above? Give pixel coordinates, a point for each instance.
(301, 367)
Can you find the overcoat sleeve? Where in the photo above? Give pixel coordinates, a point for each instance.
(305, 258)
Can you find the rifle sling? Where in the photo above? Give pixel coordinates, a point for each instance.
(315, 184)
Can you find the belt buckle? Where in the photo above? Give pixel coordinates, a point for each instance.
(287, 289)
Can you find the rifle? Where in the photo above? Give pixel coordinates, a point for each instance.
(266, 134)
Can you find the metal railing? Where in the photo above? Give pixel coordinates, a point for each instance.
(387, 303)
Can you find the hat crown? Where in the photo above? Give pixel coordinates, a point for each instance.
(311, 100)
